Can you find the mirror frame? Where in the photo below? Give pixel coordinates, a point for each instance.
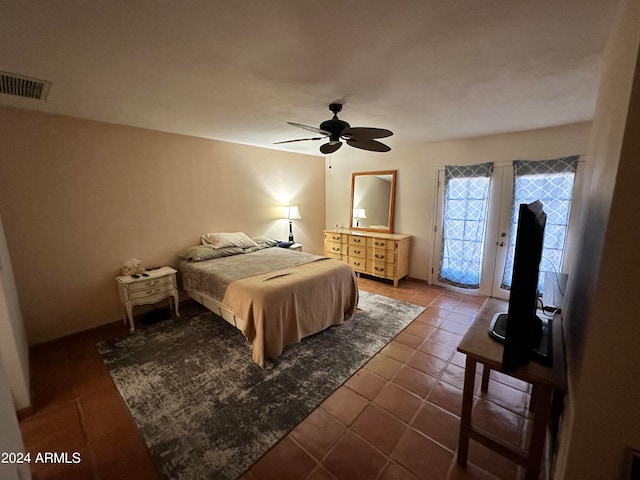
(392, 200)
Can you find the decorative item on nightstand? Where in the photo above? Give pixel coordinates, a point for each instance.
(290, 212)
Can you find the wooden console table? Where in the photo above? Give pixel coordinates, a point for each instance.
(547, 382)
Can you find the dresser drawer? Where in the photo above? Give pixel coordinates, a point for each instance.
(357, 240)
(333, 237)
(381, 243)
(151, 291)
(380, 269)
(357, 251)
(332, 248)
(381, 256)
(358, 264)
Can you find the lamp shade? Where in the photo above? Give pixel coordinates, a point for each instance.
(359, 213)
(291, 212)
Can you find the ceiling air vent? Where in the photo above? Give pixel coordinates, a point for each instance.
(12, 84)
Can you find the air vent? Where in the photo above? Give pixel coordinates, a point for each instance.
(12, 84)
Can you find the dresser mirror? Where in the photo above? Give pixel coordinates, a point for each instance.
(372, 201)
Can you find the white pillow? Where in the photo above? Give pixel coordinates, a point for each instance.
(223, 240)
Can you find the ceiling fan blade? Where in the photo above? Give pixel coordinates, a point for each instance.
(330, 147)
(311, 129)
(365, 133)
(300, 140)
(369, 144)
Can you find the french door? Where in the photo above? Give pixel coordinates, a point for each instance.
(492, 248)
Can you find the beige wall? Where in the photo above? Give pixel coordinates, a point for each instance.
(416, 176)
(79, 198)
(601, 315)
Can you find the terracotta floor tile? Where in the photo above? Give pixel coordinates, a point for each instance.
(447, 396)
(414, 380)
(398, 351)
(449, 338)
(393, 471)
(438, 424)
(511, 381)
(437, 349)
(318, 433)
(490, 461)
(498, 420)
(454, 326)
(345, 404)
(353, 458)
(508, 397)
(366, 383)
(117, 447)
(398, 401)
(423, 457)
(420, 329)
(454, 375)
(461, 316)
(471, 472)
(379, 428)
(408, 339)
(384, 366)
(285, 460)
(68, 439)
(319, 473)
(37, 427)
(427, 363)
(92, 411)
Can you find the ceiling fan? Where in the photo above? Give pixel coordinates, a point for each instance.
(336, 130)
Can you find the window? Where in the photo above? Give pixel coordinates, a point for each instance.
(551, 182)
(464, 221)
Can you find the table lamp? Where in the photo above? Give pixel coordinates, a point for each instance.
(291, 212)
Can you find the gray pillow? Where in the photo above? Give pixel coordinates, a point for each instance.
(207, 252)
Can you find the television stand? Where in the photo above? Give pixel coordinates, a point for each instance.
(549, 385)
(541, 353)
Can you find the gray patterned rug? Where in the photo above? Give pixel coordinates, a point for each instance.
(207, 411)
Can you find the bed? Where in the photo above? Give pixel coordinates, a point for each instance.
(273, 295)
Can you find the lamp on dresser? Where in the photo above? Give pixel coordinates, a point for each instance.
(359, 213)
(290, 212)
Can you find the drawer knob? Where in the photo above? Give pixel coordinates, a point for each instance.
(377, 255)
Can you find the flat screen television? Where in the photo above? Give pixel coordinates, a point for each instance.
(524, 334)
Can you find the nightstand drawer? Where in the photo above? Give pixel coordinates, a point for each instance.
(151, 283)
(151, 291)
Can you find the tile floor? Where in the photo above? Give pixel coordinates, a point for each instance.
(396, 418)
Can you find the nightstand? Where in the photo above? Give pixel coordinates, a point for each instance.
(158, 285)
(296, 246)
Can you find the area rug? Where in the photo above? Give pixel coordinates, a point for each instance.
(206, 411)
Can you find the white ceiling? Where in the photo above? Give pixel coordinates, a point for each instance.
(239, 70)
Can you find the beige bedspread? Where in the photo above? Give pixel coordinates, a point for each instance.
(282, 307)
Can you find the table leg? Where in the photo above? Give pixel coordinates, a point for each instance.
(465, 418)
(542, 411)
(130, 317)
(175, 302)
(486, 373)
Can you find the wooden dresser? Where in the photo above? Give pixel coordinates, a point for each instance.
(384, 255)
